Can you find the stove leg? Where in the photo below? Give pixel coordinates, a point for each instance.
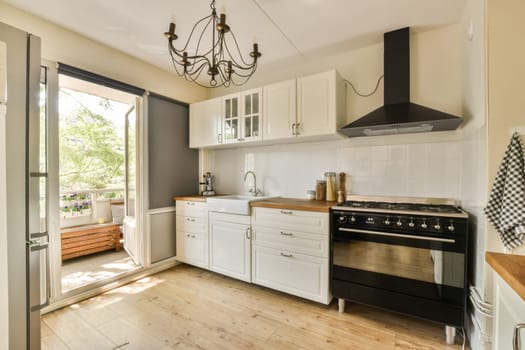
(450, 333)
(341, 303)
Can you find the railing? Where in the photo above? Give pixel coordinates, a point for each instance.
(85, 207)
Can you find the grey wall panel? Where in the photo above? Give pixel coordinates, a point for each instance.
(163, 242)
(172, 166)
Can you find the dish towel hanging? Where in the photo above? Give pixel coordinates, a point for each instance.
(506, 206)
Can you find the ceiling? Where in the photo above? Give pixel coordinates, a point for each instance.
(283, 28)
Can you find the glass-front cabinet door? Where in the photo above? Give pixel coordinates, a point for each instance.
(251, 115)
(231, 118)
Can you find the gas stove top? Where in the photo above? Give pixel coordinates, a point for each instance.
(398, 205)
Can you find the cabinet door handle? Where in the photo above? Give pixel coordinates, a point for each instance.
(247, 233)
(286, 233)
(287, 212)
(187, 235)
(516, 343)
(219, 138)
(293, 128)
(287, 255)
(297, 129)
(192, 236)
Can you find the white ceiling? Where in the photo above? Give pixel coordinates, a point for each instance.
(310, 27)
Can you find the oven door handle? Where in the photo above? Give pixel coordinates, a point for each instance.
(378, 233)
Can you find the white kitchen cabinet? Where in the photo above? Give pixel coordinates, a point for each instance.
(205, 123)
(291, 252)
(231, 118)
(302, 275)
(286, 239)
(279, 110)
(296, 220)
(251, 115)
(509, 311)
(230, 245)
(192, 233)
(321, 104)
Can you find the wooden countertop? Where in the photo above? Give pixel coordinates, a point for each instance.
(511, 268)
(294, 204)
(195, 198)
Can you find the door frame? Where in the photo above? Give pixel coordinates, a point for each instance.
(58, 298)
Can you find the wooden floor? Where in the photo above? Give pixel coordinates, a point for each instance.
(84, 270)
(189, 308)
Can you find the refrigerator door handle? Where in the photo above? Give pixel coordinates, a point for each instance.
(37, 247)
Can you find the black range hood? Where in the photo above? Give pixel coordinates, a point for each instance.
(399, 115)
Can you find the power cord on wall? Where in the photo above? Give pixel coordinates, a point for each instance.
(365, 95)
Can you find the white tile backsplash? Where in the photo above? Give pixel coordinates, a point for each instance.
(421, 170)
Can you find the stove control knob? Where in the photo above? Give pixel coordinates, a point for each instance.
(387, 222)
(451, 227)
(411, 224)
(437, 226)
(342, 219)
(424, 225)
(399, 223)
(352, 219)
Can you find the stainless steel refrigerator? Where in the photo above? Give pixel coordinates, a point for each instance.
(26, 188)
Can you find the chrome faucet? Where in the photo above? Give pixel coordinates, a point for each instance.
(255, 191)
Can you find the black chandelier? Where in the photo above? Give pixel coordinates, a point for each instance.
(218, 61)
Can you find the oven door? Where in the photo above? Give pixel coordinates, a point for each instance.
(426, 266)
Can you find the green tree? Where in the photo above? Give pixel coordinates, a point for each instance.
(91, 150)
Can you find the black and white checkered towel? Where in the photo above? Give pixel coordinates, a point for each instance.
(506, 206)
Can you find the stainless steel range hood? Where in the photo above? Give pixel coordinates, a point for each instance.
(398, 115)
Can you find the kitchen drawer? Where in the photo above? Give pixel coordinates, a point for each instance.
(296, 220)
(297, 274)
(192, 224)
(193, 209)
(298, 242)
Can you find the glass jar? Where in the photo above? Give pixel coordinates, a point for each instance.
(330, 186)
(310, 194)
(320, 190)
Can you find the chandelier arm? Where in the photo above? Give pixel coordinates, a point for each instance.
(193, 30)
(198, 65)
(200, 39)
(237, 47)
(195, 74)
(236, 63)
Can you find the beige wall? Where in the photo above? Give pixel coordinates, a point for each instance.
(506, 79)
(59, 44)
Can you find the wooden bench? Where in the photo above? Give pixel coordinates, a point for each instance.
(84, 240)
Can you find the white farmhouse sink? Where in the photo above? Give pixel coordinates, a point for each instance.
(233, 204)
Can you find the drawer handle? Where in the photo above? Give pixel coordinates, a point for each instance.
(190, 203)
(190, 220)
(192, 236)
(286, 233)
(516, 343)
(287, 255)
(287, 212)
(187, 234)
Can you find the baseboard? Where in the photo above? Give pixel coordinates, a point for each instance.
(131, 277)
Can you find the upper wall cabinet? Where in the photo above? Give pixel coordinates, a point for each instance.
(321, 103)
(231, 118)
(311, 106)
(241, 116)
(279, 110)
(205, 123)
(251, 113)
